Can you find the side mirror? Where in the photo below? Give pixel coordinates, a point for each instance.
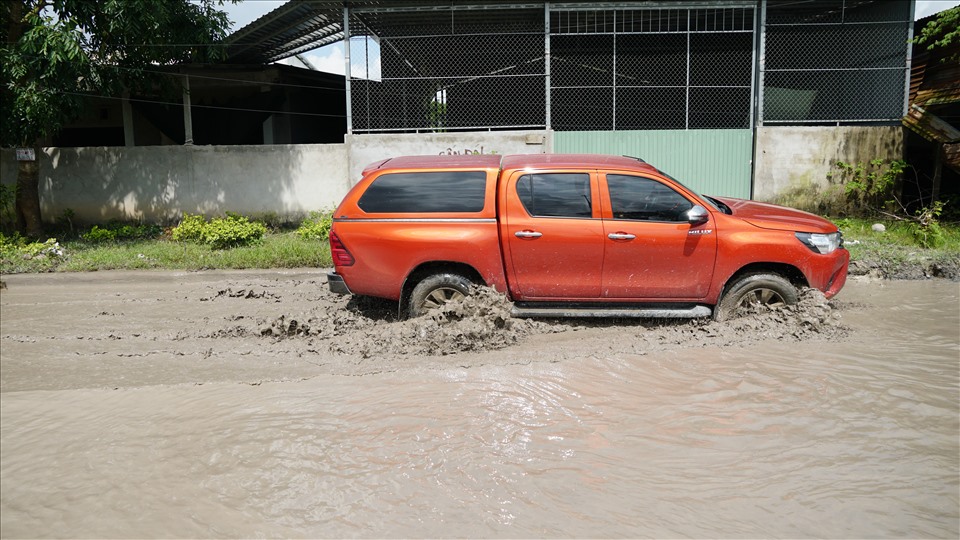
(697, 215)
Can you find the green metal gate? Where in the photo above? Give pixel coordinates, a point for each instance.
(711, 161)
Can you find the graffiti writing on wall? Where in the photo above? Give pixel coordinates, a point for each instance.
(467, 152)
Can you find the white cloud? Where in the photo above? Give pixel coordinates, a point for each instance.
(925, 8)
(244, 13)
(330, 59)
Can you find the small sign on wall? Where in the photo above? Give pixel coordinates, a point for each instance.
(26, 154)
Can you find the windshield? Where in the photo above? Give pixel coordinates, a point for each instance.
(717, 205)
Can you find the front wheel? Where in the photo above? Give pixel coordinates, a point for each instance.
(435, 291)
(750, 290)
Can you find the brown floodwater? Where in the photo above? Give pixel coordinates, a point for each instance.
(849, 435)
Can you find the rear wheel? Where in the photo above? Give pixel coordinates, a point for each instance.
(435, 291)
(753, 289)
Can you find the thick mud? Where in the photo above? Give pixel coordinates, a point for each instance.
(369, 327)
(911, 266)
(256, 326)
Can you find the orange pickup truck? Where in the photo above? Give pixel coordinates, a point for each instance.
(572, 235)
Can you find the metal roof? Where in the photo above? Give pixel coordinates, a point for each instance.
(295, 27)
(299, 26)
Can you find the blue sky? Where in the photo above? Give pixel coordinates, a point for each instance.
(330, 58)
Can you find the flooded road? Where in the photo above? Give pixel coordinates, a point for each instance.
(595, 432)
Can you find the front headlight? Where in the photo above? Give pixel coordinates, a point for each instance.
(821, 243)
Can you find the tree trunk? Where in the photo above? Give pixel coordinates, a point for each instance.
(937, 173)
(29, 219)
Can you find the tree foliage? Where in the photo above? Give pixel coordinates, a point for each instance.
(55, 51)
(941, 31)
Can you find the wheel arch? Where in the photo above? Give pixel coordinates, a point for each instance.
(788, 271)
(437, 267)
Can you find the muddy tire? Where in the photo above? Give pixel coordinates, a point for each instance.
(766, 289)
(436, 290)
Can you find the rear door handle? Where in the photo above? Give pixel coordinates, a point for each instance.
(621, 236)
(528, 234)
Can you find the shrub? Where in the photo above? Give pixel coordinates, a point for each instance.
(927, 230)
(317, 226)
(143, 232)
(8, 243)
(190, 229)
(96, 234)
(121, 231)
(16, 246)
(857, 189)
(869, 187)
(233, 230)
(220, 233)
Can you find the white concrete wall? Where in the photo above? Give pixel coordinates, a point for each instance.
(160, 183)
(368, 148)
(790, 155)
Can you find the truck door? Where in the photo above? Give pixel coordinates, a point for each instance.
(652, 252)
(552, 235)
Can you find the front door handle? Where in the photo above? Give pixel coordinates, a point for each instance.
(528, 234)
(621, 236)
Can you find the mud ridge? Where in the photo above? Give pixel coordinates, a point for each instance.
(482, 322)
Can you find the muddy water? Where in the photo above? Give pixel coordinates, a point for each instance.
(595, 432)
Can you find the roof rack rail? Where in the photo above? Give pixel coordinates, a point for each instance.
(634, 157)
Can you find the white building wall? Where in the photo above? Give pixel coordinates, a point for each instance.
(160, 183)
(791, 156)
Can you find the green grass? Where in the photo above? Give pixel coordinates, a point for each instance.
(287, 249)
(861, 239)
(277, 250)
(895, 252)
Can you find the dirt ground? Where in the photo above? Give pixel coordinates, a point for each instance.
(912, 266)
(125, 329)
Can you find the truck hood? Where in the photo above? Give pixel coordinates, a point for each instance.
(772, 216)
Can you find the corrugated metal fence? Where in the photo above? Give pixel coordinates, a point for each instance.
(711, 161)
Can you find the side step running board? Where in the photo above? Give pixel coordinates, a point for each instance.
(693, 312)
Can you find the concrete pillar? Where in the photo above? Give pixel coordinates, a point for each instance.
(128, 139)
(187, 117)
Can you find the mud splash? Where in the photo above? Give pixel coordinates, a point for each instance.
(368, 327)
(481, 322)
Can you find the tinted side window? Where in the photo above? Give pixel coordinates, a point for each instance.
(634, 197)
(442, 191)
(556, 195)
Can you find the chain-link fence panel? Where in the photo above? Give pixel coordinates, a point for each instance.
(830, 96)
(449, 69)
(818, 64)
(651, 108)
(483, 66)
(652, 69)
